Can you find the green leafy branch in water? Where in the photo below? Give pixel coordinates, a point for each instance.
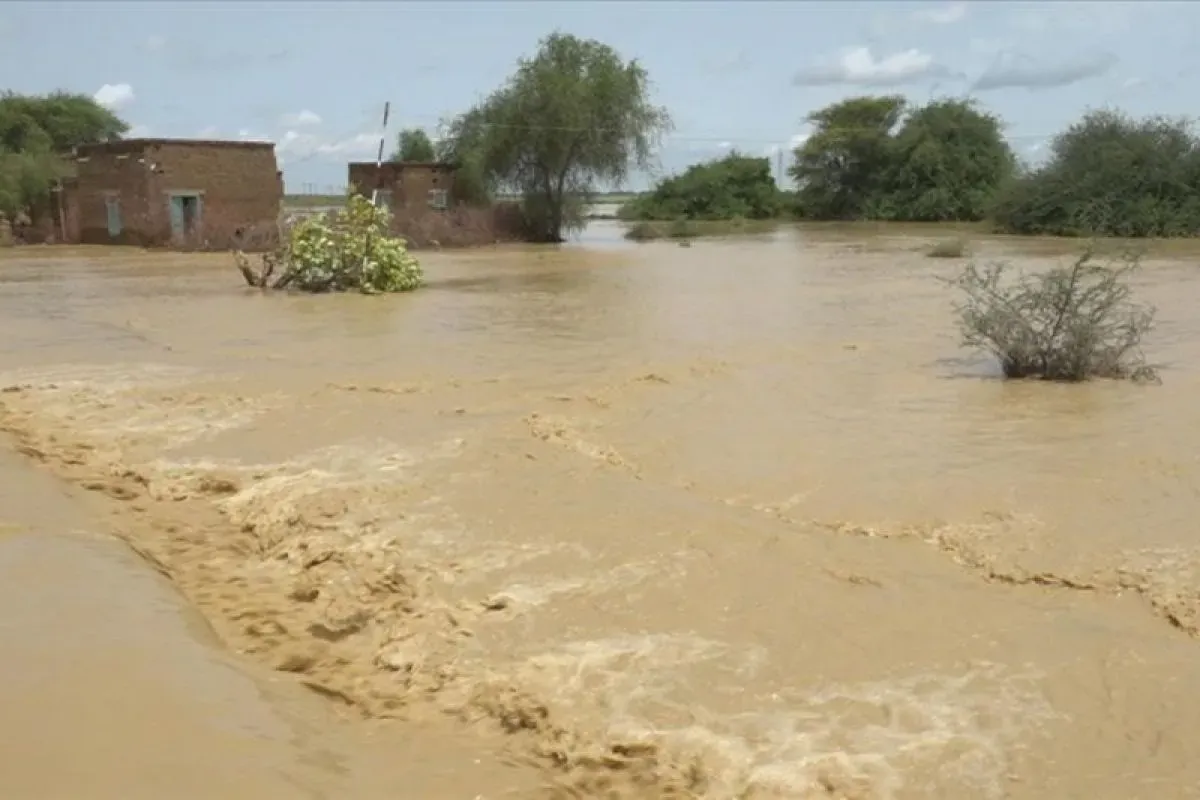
(1070, 323)
(351, 249)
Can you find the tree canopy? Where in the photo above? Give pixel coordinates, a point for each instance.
(735, 186)
(841, 171)
(413, 144)
(573, 116)
(1110, 174)
(948, 160)
(35, 132)
(875, 158)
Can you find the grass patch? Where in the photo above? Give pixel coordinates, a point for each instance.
(949, 248)
(693, 229)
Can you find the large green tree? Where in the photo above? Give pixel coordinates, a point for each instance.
(573, 116)
(736, 186)
(413, 144)
(877, 158)
(1110, 174)
(841, 170)
(35, 132)
(947, 162)
(465, 144)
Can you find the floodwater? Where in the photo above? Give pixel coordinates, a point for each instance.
(738, 520)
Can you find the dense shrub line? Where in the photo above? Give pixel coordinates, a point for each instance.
(876, 158)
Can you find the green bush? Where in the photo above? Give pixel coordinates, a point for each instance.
(350, 249)
(1110, 175)
(875, 158)
(1069, 323)
(732, 187)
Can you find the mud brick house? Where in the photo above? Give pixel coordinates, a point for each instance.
(412, 187)
(172, 192)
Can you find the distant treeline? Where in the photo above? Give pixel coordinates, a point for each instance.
(875, 158)
(575, 116)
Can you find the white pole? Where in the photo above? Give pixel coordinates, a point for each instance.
(379, 159)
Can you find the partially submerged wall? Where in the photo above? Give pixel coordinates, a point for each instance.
(239, 186)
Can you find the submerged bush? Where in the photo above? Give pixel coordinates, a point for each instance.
(949, 248)
(350, 249)
(1070, 323)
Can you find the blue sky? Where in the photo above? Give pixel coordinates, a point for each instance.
(313, 76)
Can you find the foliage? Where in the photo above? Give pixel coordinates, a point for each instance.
(873, 158)
(413, 144)
(736, 186)
(347, 250)
(947, 162)
(1109, 174)
(1070, 323)
(68, 120)
(465, 146)
(841, 171)
(573, 116)
(34, 133)
(25, 180)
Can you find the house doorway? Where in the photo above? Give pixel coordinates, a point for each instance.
(185, 216)
(112, 212)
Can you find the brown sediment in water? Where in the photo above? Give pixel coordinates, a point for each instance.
(588, 504)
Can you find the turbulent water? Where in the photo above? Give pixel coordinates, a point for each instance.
(738, 520)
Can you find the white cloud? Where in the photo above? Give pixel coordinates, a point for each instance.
(114, 95)
(296, 145)
(858, 67)
(156, 43)
(942, 15)
(138, 132)
(300, 119)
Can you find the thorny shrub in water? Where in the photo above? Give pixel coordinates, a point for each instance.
(1070, 323)
(350, 249)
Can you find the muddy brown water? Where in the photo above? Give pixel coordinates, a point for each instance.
(734, 520)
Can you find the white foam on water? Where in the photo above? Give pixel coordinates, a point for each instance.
(936, 734)
(108, 378)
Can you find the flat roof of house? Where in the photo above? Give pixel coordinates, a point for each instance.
(405, 164)
(134, 145)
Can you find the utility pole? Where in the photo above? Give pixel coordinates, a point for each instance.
(379, 159)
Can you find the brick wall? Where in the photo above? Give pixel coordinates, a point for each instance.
(239, 183)
(105, 169)
(407, 184)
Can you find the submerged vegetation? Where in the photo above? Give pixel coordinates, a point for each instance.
(956, 247)
(1111, 175)
(350, 249)
(646, 231)
(733, 187)
(1070, 323)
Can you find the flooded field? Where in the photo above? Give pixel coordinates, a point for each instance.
(738, 520)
